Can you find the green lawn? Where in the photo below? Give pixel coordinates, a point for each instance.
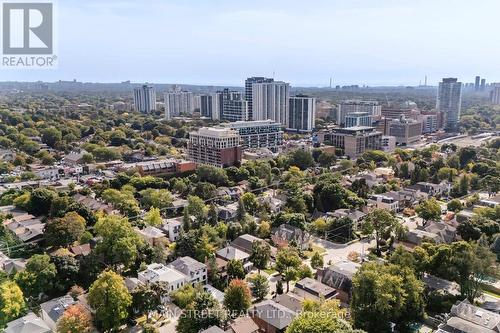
(315, 248)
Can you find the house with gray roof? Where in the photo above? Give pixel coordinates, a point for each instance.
(245, 243)
(271, 316)
(339, 276)
(286, 234)
(309, 288)
(467, 318)
(52, 310)
(193, 269)
(27, 324)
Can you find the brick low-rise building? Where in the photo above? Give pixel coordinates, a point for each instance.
(216, 146)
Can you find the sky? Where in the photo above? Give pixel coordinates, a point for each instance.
(221, 42)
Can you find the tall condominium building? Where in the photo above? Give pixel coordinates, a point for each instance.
(208, 106)
(354, 141)
(476, 84)
(495, 95)
(249, 91)
(483, 84)
(234, 107)
(258, 134)
(216, 146)
(177, 103)
(301, 113)
(145, 99)
(352, 106)
(406, 131)
(270, 101)
(358, 119)
(196, 103)
(449, 101)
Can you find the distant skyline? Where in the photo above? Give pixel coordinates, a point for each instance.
(221, 42)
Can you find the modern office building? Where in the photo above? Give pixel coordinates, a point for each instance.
(358, 119)
(217, 146)
(354, 141)
(352, 106)
(429, 123)
(388, 143)
(178, 103)
(406, 131)
(145, 99)
(270, 101)
(258, 134)
(449, 101)
(495, 95)
(398, 112)
(249, 91)
(301, 113)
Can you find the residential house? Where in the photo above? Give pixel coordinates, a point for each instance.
(435, 283)
(94, 205)
(44, 171)
(216, 293)
(151, 235)
(172, 227)
(80, 250)
(467, 318)
(193, 269)
(26, 227)
(437, 232)
(271, 317)
(286, 234)
(27, 324)
(274, 202)
(339, 276)
(227, 212)
(290, 300)
(243, 325)
(309, 288)
(232, 253)
(74, 158)
(384, 202)
(52, 310)
(12, 266)
(355, 215)
(131, 283)
(385, 173)
(213, 329)
(159, 272)
(245, 243)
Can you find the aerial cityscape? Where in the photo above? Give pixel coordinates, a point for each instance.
(258, 201)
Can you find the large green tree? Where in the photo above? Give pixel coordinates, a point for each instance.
(65, 230)
(384, 293)
(261, 253)
(382, 224)
(110, 299)
(38, 277)
(287, 263)
(321, 317)
(429, 210)
(120, 243)
(11, 302)
(237, 297)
